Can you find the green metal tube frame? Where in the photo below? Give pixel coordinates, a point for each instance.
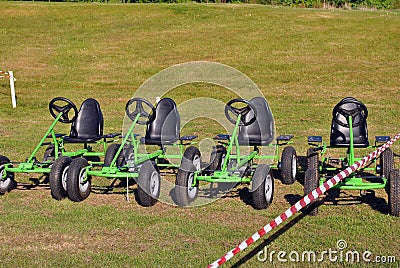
(32, 166)
(113, 171)
(225, 175)
(352, 182)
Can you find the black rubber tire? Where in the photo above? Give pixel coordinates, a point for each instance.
(49, 153)
(184, 192)
(288, 165)
(128, 156)
(312, 159)
(311, 183)
(92, 159)
(78, 191)
(110, 154)
(217, 156)
(262, 191)
(8, 183)
(394, 192)
(58, 177)
(387, 162)
(149, 184)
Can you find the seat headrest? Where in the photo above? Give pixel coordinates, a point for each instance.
(89, 122)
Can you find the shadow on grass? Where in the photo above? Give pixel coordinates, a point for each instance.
(292, 199)
(378, 204)
(245, 196)
(336, 198)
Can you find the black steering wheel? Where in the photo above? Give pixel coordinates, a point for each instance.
(139, 109)
(359, 109)
(242, 111)
(64, 107)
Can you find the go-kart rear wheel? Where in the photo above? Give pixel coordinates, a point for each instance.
(78, 184)
(387, 162)
(262, 187)
(8, 183)
(312, 159)
(185, 191)
(58, 177)
(394, 192)
(149, 184)
(288, 165)
(311, 183)
(110, 154)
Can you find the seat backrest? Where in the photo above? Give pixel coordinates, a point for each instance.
(164, 123)
(261, 131)
(89, 121)
(340, 129)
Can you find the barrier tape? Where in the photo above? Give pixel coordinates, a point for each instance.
(307, 199)
(4, 75)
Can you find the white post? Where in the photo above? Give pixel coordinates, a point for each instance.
(13, 99)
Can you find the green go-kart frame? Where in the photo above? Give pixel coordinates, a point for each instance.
(230, 166)
(124, 161)
(349, 119)
(56, 158)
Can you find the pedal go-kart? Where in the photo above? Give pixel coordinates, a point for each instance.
(349, 132)
(86, 129)
(254, 127)
(125, 161)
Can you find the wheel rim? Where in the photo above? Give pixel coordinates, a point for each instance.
(268, 188)
(294, 166)
(222, 161)
(197, 162)
(130, 160)
(83, 186)
(154, 184)
(4, 183)
(64, 178)
(191, 190)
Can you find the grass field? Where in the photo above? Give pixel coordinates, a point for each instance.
(303, 60)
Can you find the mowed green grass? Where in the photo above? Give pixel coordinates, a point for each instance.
(304, 62)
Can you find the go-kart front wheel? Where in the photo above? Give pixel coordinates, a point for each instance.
(149, 184)
(8, 183)
(394, 192)
(289, 165)
(49, 153)
(78, 184)
(387, 162)
(311, 183)
(185, 191)
(58, 177)
(262, 187)
(217, 158)
(312, 159)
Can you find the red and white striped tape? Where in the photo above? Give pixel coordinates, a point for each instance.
(4, 74)
(307, 199)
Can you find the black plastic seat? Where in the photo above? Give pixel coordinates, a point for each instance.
(261, 131)
(340, 129)
(88, 125)
(163, 126)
